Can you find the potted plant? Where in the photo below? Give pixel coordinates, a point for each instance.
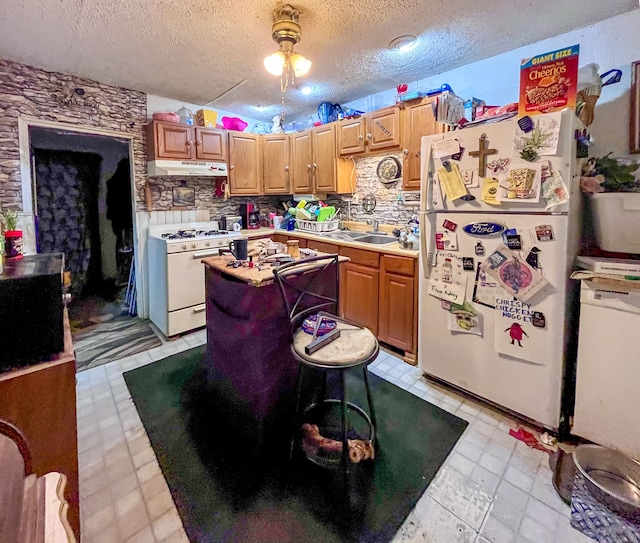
(613, 187)
(12, 236)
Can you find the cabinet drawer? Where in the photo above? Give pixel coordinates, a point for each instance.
(360, 256)
(280, 238)
(186, 319)
(323, 246)
(398, 264)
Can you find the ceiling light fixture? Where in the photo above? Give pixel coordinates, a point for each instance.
(261, 107)
(403, 43)
(306, 89)
(285, 62)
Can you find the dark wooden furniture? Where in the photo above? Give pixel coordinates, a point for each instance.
(40, 400)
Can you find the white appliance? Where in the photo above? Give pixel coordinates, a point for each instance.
(608, 373)
(176, 273)
(158, 168)
(512, 364)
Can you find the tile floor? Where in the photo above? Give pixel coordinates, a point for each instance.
(492, 488)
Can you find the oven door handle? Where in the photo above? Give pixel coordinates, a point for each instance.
(203, 254)
(199, 308)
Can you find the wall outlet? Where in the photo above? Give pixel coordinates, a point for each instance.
(355, 199)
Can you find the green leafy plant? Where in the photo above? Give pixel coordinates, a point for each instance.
(9, 219)
(618, 177)
(533, 143)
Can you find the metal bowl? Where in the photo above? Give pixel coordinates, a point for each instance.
(612, 478)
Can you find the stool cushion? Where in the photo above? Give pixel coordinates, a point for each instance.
(353, 347)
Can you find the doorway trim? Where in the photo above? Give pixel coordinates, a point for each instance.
(26, 177)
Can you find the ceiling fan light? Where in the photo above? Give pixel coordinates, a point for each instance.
(300, 64)
(275, 63)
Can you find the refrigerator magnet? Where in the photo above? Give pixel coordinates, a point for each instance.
(514, 242)
(445, 304)
(446, 148)
(446, 241)
(532, 258)
(538, 319)
(489, 194)
(544, 232)
(479, 249)
(468, 263)
(449, 225)
(464, 319)
(458, 155)
(470, 179)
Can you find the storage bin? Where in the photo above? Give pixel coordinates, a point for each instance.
(616, 221)
(206, 117)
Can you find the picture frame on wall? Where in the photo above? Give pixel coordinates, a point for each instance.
(183, 196)
(634, 131)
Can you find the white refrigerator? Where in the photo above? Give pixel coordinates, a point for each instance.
(497, 310)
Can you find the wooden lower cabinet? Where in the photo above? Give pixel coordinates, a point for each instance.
(359, 295)
(397, 319)
(323, 246)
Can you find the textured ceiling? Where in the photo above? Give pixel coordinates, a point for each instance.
(196, 50)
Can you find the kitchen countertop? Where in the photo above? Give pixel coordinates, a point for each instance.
(252, 276)
(390, 248)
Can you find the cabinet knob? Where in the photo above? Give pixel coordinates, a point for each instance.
(308, 166)
(368, 136)
(315, 165)
(198, 142)
(405, 151)
(286, 168)
(360, 137)
(231, 167)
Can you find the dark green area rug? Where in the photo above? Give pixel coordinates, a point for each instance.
(224, 493)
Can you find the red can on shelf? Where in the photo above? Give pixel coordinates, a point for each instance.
(13, 244)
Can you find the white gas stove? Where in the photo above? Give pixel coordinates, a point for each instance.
(176, 273)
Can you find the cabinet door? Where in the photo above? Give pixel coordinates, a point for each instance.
(301, 173)
(418, 120)
(276, 155)
(211, 144)
(359, 295)
(174, 140)
(383, 128)
(325, 158)
(396, 310)
(351, 136)
(245, 164)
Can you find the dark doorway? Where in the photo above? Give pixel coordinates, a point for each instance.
(83, 208)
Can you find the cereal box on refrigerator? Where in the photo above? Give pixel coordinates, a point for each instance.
(548, 82)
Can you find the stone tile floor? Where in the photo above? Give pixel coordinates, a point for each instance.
(492, 488)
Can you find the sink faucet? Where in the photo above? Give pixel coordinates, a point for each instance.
(375, 223)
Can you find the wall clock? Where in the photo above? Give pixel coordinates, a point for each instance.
(389, 169)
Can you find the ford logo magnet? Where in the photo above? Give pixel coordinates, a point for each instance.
(484, 228)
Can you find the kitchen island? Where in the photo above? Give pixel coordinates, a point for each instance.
(378, 287)
(249, 367)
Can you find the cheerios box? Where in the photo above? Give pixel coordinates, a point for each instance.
(206, 117)
(548, 82)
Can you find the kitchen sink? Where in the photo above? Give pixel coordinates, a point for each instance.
(376, 239)
(351, 234)
(344, 234)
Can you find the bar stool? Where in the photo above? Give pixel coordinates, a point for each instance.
(310, 288)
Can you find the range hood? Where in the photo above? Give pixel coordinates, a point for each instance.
(191, 168)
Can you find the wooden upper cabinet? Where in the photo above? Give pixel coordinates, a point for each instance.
(302, 163)
(172, 140)
(324, 165)
(277, 164)
(210, 144)
(351, 134)
(245, 164)
(418, 121)
(383, 128)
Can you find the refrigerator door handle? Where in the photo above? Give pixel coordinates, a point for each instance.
(425, 250)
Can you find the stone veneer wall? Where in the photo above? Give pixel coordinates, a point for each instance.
(388, 210)
(25, 90)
